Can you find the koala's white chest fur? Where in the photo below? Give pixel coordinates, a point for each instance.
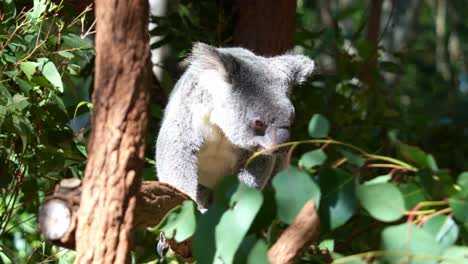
(217, 157)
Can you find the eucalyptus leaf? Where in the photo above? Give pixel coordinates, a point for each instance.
(459, 205)
(338, 203)
(383, 201)
(294, 188)
(180, 223)
(379, 179)
(443, 229)
(410, 244)
(463, 181)
(318, 126)
(313, 158)
(455, 254)
(259, 253)
(50, 72)
(29, 68)
(236, 221)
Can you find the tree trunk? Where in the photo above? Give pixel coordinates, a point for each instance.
(117, 141)
(266, 27)
(372, 37)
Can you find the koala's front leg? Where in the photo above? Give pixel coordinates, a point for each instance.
(178, 167)
(258, 172)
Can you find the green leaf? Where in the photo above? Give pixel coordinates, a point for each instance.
(383, 201)
(455, 254)
(80, 104)
(82, 149)
(10, 254)
(3, 113)
(338, 203)
(410, 240)
(4, 90)
(318, 126)
(379, 179)
(294, 188)
(204, 243)
(463, 181)
(29, 68)
(40, 6)
(50, 72)
(24, 85)
(75, 42)
(443, 229)
(459, 206)
(22, 130)
(437, 184)
(180, 223)
(20, 102)
(313, 158)
(236, 221)
(327, 244)
(259, 252)
(413, 194)
(66, 54)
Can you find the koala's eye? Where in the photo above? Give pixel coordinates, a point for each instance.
(259, 127)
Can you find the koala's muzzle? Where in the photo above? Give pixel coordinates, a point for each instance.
(273, 137)
(281, 135)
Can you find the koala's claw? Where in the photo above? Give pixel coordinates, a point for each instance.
(162, 246)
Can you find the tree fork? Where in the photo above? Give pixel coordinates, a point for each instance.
(116, 145)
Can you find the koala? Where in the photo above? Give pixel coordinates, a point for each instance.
(227, 105)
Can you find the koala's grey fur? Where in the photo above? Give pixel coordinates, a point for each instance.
(209, 130)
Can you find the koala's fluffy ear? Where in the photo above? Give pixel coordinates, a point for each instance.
(300, 67)
(206, 57)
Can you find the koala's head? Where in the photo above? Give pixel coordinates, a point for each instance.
(250, 93)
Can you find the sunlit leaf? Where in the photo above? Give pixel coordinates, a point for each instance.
(383, 201)
(29, 68)
(50, 72)
(455, 254)
(443, 229)
(379, 179)
(313, 158)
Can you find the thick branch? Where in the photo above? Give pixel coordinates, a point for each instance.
(297, 236)
(58, 215)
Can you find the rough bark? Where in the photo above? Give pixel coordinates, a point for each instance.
(297, 236)
(117, 142)
(266, 27)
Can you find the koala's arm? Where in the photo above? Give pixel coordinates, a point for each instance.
(258, 172)
(176, 161)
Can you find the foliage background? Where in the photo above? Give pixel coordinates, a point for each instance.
(418, 96)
